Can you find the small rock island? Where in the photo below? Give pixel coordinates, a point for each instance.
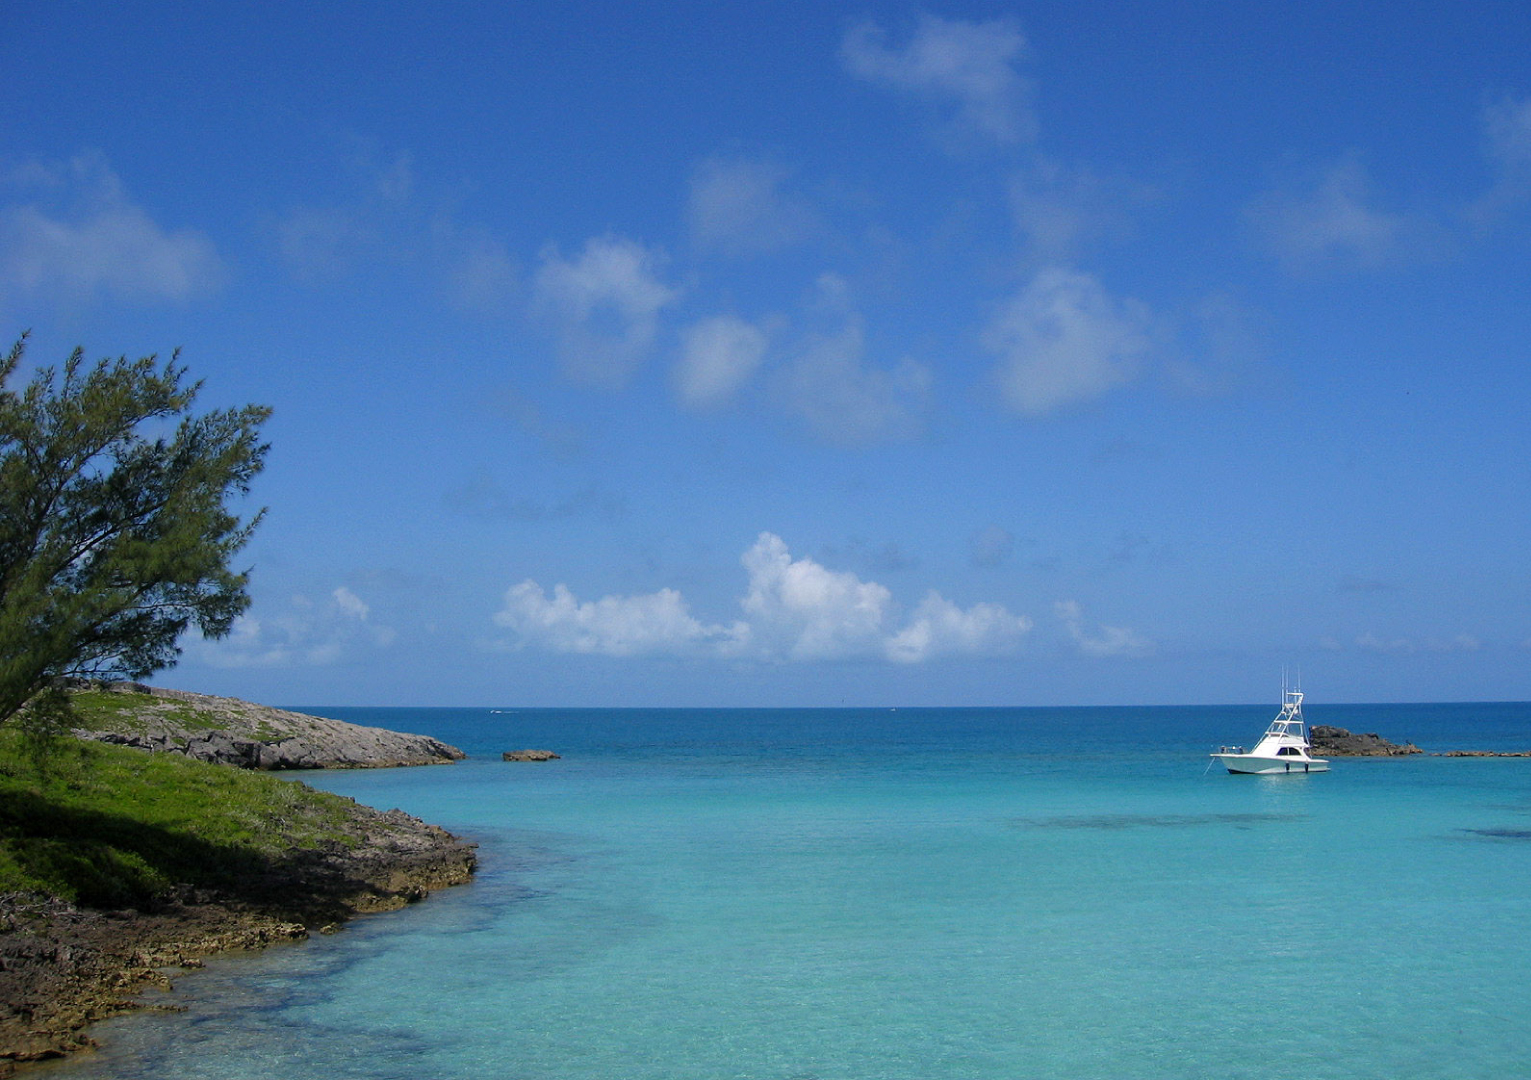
(1338, 742)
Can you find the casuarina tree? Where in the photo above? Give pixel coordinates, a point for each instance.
(118, 521)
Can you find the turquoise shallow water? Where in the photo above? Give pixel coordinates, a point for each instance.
(844, 894)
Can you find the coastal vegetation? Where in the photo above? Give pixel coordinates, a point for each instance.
(118, 524)
(107, 827)
(116, 527)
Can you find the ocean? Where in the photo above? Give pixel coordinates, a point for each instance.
(910, 894)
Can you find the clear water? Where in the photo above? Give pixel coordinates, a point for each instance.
(857, 894)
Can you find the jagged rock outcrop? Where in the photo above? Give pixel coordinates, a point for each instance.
(229, 731)
(1338, 742)
(529, 755)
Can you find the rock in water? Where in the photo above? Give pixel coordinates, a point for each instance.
(1338, 742)
(529, 755)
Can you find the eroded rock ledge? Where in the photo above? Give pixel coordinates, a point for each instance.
(229, 731)
(63, 968)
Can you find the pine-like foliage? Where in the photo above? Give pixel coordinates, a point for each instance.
(115, 526)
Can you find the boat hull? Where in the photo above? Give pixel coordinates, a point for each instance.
(1261, 765)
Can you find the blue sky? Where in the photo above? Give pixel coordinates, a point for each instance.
(818, 354)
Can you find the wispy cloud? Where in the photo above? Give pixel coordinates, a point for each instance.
(739, 207)
(718, 357)
(1337, 226)
(1063, 339)
(302, 633)
(604, 307)
(796, 610)
(1507, 131)
(76, 231)
(1370, 642)
(1061, 211)
(843, 398)
(991, 546)
(965, 68)
(1104, 641)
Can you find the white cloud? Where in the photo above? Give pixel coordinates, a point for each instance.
(654, 623)
(738, 207)
(940, 627)
(969, 65)
(796, 609)
(842, 398)
(1335, 225)
(604, 307)
(1063, 339)
(94, 238)
(807, 611)
(1107, 641)
(718, 356)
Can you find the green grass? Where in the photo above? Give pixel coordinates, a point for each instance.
(107, 710)
(106, 826)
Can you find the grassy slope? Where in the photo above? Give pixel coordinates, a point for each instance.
(109, 827)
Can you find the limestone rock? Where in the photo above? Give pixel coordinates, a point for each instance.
(233, 732)
(529, 755)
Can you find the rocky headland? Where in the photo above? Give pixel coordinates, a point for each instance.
(229, 731)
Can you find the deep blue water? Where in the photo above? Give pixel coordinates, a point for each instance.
(910, 893)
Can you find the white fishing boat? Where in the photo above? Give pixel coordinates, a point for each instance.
(1282, 749)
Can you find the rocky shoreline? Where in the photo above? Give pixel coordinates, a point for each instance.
(63, 967)
(229, 731)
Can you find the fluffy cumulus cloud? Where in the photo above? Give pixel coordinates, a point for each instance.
(1064, 339)
(796, 609)
(805, 611)
(604, 307)
(939, 627)
(739, 207)
(304, 632)
(1104, 640)
(969, 67)
(74, 230)
(718, 356)
(652, 624)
